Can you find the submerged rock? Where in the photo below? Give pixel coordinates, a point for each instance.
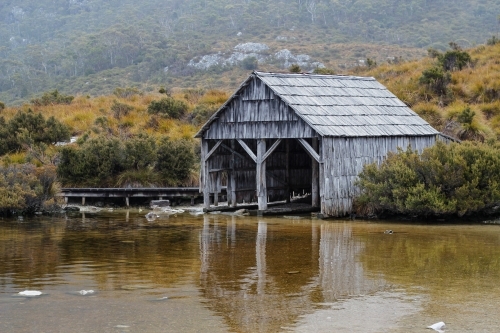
(30, 293)
(438, 327)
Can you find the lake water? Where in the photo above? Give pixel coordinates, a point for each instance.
(117, 272)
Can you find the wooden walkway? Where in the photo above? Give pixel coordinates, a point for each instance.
(160, 193)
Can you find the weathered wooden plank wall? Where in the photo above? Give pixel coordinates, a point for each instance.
(258, 114)
(344, 159)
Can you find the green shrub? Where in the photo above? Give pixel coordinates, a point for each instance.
(120, 109)
(436, 79)
(25, 189)
(52, 98)
(29, 128)
(104, 161)
(493, 40)
(175, 161)
(140, 152)
(250, 63)
(94, 163)
(168, 107)
(324, 71)
(202, 112)
(444, 180)
(295, 68)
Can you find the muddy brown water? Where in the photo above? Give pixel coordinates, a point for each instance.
(220, 273)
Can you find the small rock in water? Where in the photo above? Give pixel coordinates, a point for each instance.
(242, 212)
(30, 293)
(388, 232)
(151, 216)
(86, 292)
(438, 327)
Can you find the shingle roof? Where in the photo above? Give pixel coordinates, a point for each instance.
(344, 105)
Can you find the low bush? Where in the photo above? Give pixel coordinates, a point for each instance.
(28, 128)
(168, 107)
(138, 161)
(52, 98)
(25, 189)
(454, 179)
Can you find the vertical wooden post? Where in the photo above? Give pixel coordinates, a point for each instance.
(232, 175)
(261, 175)
(83, 201)
(287, 171)
(66, 199)
(217, 188)
(321, 173)
(315, 176)
(204, 174)
(192, 200)
(228, 188)
(127, 202)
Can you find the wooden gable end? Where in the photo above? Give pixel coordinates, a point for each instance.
(257, 112)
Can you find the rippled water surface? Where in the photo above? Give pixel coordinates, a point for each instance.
(117, 272)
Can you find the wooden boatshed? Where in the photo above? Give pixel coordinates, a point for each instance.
(281, 134)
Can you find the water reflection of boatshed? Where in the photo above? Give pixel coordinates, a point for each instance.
(280, 134)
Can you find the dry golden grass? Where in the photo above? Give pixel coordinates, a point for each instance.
(476, 86)
(82, 113)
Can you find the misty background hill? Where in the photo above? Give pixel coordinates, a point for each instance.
(93, 46)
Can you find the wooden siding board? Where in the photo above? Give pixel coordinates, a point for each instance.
(344, 159)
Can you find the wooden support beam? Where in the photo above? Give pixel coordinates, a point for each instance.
(232, 176)
(83, 201)
(248, 150)
(205, 180)
(309, 150)
(261, 175)
(217, 188)
(271, 149)
(321, 176)
(232, 150)
(315, 176)
(127, 201)
(213, 150)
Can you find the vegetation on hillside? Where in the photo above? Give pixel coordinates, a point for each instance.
(91, 47)
(457, 91)
(128, 139)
